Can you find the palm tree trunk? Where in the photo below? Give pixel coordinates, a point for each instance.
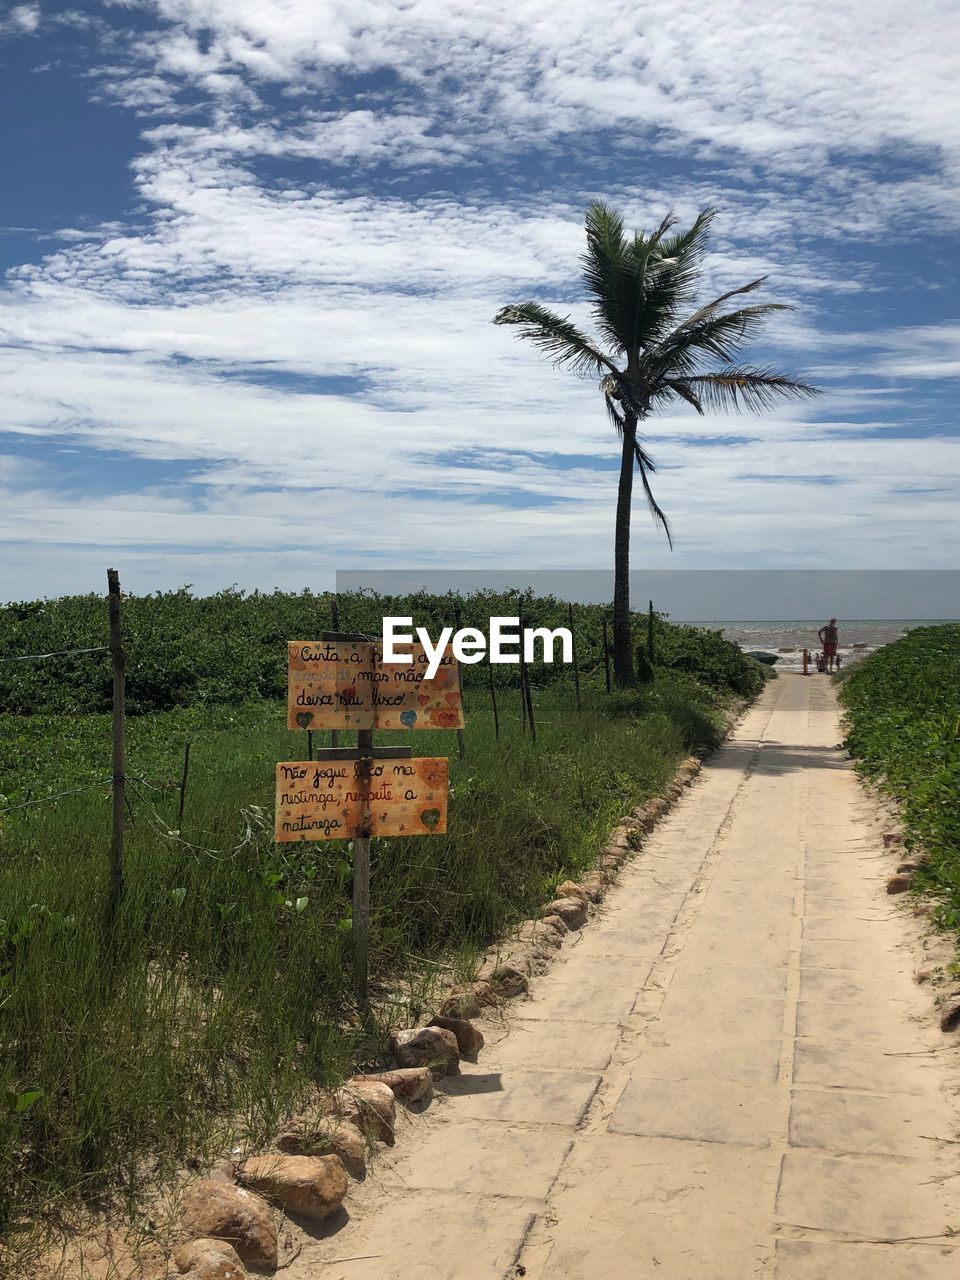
(622, 632)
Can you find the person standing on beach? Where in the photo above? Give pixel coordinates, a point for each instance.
(830, 638)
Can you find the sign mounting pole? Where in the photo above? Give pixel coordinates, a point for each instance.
(361, 872)
(340, 682)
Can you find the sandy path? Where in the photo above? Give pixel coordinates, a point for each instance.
(731, 1074)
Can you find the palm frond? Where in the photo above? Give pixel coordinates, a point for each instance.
(666, 224)
(607, 271)
(711, 308)
(646, 467)
(720, 336)
(604, 225)
(645, 463)
(678, 388)
(615, 272)
(556, 336)
(744, 387)
(679, 262)
(690, 244)
(667, 268)
(613, 413)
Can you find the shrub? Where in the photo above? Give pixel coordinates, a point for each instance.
(903, 708)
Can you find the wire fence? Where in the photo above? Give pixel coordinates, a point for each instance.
(251, 816)
(122, 785)
(57, 653)
(73, 791)
(29, 804)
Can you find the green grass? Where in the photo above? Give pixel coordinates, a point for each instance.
(903, 707)
(225, 994)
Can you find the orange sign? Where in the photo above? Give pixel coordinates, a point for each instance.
(406, 699)
(332, 800)
(347, 685)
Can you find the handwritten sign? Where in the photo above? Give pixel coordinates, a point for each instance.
(408, 700)
(330, 684)
(347, 685)
(332, 800)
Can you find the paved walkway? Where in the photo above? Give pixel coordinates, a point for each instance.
(731, 1074)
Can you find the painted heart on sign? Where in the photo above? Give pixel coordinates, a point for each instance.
(423, 698)
(303, 718)
(408, 718)
(452, 698)
(430, 817)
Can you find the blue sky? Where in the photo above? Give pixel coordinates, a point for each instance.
(251, 250)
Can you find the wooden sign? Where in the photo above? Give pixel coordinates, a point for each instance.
(345, 684)
(332, 800)
(406, 699)
(330, 684)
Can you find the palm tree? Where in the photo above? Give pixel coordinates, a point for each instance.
(656, 347)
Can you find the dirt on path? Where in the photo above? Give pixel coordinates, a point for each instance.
(731, 1074)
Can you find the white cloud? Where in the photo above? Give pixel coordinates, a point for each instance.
(22, 20)
(147, 338)
(923, 352)
(770, 81)
(478, 486)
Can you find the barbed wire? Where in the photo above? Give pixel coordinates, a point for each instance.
(27, 804)
(251, 816)
(88, 786)
(154, 786)
(57, 653)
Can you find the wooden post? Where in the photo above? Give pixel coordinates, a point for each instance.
(119, 661)
(461, 736)
(606, 655)
(309, 744)
(493, 700)
(335, 619)
(361, 877)
(529, 701)
(525, 682)
(183, 786)
(650, 634)
(573, 645)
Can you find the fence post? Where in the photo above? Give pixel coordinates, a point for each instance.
(528, 697)
(523, 683)
(183, 786)
(650, 634)
(525, 694)
(461, 736)
(493, 699)
(119, 660)
(573, 646)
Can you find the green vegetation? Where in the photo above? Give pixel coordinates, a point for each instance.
(658, 347)
(230, 648)
(225, 994)
(903, 704)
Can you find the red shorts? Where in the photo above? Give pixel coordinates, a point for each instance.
(829, 650)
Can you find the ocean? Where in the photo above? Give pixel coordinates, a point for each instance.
(858, 637)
